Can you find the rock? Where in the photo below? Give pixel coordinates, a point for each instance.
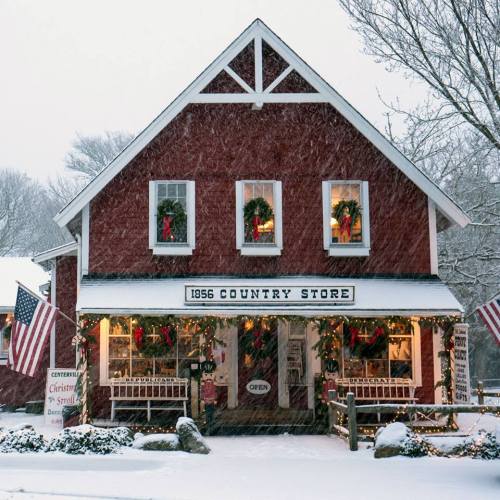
(390, 440)
(157, 442)
(190, 438)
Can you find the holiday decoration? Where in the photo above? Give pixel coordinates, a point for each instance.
(330, 376)
(139, 337)
(208, 391)
(347, 213)
(256, 213)
(172, 221)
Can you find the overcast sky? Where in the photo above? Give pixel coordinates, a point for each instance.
(89, 66)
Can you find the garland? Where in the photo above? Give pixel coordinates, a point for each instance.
(149, 344)
(346, 221)
(171, 220)
(258, 342)
(255, 213)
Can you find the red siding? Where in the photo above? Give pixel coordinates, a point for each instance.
(299, 144)
(425, 394)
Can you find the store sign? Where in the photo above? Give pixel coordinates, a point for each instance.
(275, 294)
(461, 357)
(258, 387)
(60, 391)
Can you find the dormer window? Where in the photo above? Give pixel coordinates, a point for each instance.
(258, 218)
(171, 217)
(346, 218)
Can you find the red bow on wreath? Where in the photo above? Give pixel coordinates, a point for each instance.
(378, 332)
(354, 337)
(256, 221)
(257, 343)
(345, 225)
(139, 336)
(167, 229)
(165, 332)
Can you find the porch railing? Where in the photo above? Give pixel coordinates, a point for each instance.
(377, 389)
(149, 389)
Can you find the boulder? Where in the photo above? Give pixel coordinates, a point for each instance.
(390, 440)
(190, 438)
(157, 442)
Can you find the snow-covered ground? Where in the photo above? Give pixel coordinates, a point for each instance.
(241, 468)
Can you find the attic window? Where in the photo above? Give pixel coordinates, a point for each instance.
(346, 218)
(171, 217)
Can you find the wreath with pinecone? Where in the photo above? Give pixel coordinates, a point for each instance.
(255, 213)
(172, 221)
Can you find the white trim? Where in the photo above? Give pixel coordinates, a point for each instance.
(53, 301)
(278, 80)
(237, 78)
(283, 392)
(68, 248)
(350, 249)
(416, 354)
(232, 390)
(173, 249)
(313, 363)
(258, 30)
(78, 264)
(258, 98)
(256, 249)
(437, 346)
(85, 239)
(432, 236)
(258, 66)
(103, 351)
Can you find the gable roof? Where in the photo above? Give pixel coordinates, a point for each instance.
(258, 32)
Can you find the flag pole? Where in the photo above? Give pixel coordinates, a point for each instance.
(84, 415)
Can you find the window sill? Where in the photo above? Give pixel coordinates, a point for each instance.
(172, 250)
(338, 251)
(264, 251)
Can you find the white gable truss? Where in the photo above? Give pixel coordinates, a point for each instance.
(258, 32)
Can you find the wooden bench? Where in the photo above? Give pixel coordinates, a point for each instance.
(149, 389)
(377, 389)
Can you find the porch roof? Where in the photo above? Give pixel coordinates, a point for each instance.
(372, 297)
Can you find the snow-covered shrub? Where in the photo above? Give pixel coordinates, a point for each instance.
(417, 446)
(397, 439)
(22, 439)
(481, 445)
(89, 439)
(157, 442)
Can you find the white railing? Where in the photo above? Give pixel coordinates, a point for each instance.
(377, 389)
(149, 389)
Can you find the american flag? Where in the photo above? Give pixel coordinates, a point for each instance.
(33, 320)
(490, 314)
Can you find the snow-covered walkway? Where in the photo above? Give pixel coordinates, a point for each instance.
(240, 468)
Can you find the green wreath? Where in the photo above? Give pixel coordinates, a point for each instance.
(257, 207)
(161, 344)
(353, 208)
(178, 224)
(258, 347)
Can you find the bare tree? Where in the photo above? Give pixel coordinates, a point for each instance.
(452, 45)
(90, 154)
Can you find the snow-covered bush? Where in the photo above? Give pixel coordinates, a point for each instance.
(157, 442)
(481, 445)
(416, 445)
(22, 439)
(88, 439)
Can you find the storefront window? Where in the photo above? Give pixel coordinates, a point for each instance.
(5, 322)
(392, 359)
(125, 359)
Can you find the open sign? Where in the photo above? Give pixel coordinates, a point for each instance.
(258, 387)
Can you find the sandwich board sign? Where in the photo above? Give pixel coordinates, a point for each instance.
(60, 391)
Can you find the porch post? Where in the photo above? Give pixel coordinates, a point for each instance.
(232, 388)
(283, 392)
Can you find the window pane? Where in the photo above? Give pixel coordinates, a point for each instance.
(258, 212)
(172, 213)
(346, 219)
(400, 356)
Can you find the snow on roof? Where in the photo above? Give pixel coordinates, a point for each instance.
(373, 297)
(21, 269)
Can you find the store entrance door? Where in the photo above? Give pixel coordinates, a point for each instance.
(258, 365)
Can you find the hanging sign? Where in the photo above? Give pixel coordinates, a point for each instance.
(270, 294)
(461, 357)
(60, 391)
(258, 387)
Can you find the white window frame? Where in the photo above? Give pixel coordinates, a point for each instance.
(259, 249)
(172, 248)
(346, 249)
(3, 354)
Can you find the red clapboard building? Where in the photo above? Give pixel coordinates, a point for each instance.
(258, 243)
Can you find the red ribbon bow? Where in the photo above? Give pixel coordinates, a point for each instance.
(354, 336)
(345, 225)
(256, 221)
(138, 336)
(165, 332)
(167, 229)
(378, 332)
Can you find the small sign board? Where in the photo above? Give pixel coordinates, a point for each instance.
(60, 391)
(461, 359)
(270, 294)
(258, 387)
